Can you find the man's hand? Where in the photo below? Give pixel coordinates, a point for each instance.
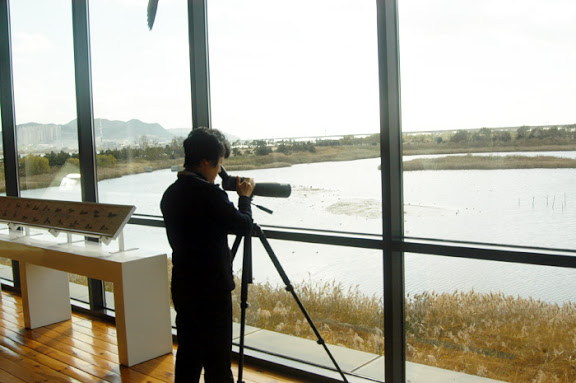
(246, 187)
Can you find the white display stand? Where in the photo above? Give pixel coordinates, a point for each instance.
(140, 278)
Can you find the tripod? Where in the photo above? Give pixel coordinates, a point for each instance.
(247, 279)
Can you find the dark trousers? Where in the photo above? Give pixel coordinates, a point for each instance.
(204, 330)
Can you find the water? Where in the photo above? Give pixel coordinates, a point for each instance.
(535, 207)
(532, 207)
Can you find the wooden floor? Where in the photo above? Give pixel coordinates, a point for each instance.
(80, 350)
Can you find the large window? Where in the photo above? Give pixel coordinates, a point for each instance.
(488, 142)
(295, 88)
(488, 137)
(292, 90)
(44, 98)
(141, 86)
(45, 107)
(489, 127)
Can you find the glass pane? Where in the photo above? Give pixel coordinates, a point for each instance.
(504, 321)
(44, 93)
(142, 105)
(489, 131)
(6, 269)
(296, 92)
(79, 288)
(340, 288)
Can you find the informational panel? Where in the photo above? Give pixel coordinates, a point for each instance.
(96, 219)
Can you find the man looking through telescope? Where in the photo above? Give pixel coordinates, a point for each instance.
(199, 216)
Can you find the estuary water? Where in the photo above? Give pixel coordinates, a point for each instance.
(533, 207)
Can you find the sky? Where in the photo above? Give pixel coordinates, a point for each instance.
(304, 67)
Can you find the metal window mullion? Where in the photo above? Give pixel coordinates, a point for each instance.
(7, 104)
(199, 63)
(84, 107)
(85, 120)
(489, 252)
(10, 147)
(392, 200)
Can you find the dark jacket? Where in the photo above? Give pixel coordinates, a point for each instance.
(198, 217)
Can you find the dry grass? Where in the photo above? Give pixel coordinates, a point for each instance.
(502, 337)
(488, 163)
(409, 149)
(344, 317)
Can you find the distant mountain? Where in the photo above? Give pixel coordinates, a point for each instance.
(122, 130)
(108, 133)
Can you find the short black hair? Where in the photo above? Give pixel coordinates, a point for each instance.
(205, 144)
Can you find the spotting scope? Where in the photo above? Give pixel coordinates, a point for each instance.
(263, 189)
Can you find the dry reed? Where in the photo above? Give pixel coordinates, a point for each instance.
(488, 163)
(506, 338)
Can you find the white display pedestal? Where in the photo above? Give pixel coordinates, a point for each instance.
(141, 290)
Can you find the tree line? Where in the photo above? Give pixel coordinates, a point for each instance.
(146, 150)
(527, 135)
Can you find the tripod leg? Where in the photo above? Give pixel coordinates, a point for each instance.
(290, 288)
(246, 279)
(235, 247)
